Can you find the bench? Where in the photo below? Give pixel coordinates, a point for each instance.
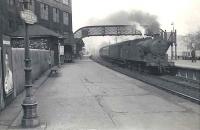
(53, 70)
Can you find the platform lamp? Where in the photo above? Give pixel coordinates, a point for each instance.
(30, 117)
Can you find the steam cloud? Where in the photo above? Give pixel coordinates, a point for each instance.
(134, 17)
(143, 21)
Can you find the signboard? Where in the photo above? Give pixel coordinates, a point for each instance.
(61, 50)
(5, 42)
(28, 16)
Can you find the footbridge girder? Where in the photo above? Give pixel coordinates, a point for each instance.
(110, 30)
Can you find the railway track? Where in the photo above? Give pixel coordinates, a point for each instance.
(175, 85)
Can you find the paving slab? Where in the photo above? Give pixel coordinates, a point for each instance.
(10, 116)
(88, 96)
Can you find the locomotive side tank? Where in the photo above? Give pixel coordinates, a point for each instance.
(147, 54)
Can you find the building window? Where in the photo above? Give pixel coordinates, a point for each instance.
(66, 2)
(32, 5)
(65, 18)
(55, 15)
(10, 24)
(44, 12)
(11, 2)
(59, 1)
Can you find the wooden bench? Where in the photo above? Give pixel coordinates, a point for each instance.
(53, 70)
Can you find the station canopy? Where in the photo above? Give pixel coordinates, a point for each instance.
(35, 31)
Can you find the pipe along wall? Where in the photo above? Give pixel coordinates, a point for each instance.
(40, 60)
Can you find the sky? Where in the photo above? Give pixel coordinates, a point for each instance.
(185, 14)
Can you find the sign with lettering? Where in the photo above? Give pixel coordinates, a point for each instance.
(28, 16)
(5, 42)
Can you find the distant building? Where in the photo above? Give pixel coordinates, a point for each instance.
(183, 48)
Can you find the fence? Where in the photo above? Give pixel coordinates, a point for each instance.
(40, 60)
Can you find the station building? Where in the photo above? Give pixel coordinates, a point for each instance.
(54, 24)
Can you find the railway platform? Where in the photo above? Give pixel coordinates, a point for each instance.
(188, 69)
(88, 96)
(187, 64)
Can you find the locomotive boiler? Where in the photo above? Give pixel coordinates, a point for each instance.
(147, 54)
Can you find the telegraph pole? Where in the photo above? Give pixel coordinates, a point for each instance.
(30, 117)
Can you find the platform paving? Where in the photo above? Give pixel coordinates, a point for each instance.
(88, 96)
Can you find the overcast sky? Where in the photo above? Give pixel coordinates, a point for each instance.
(184, 13)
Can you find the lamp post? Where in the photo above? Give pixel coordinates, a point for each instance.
(29, 105)
(174, 33)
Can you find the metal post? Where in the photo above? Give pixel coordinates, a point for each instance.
(30, 117)
(59, 63)
(172, 45)
(1, 39)
(172, 52)
(175, 42)
(165, 35)
(1, 33)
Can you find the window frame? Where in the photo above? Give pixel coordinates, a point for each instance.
(44, 11)
(66, 18)
(56, 15)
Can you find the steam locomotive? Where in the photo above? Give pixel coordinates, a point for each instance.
(146, 55)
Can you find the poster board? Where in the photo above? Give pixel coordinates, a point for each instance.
(7, 68)
(62, 50)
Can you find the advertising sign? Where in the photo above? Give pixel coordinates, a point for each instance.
(7, 70)
(6, 42)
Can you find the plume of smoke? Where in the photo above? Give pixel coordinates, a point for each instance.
(142, 20)
(140, 28)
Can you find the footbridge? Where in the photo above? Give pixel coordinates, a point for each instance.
(124, 30)
(111, 30)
